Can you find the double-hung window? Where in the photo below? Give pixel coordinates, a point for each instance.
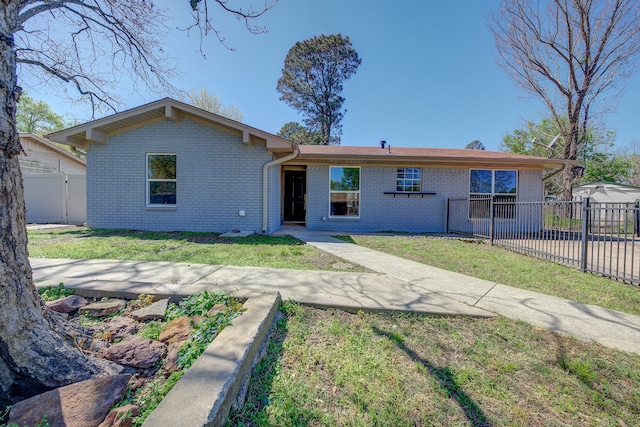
(161, 179)
(488, 184)
(344, 191)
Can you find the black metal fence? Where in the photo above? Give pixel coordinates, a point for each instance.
(602, 238)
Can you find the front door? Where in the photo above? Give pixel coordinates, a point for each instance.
(295, 188)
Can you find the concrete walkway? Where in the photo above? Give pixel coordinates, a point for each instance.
(588, 322)
(400, 285)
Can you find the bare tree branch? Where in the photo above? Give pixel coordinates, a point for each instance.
(569, 53)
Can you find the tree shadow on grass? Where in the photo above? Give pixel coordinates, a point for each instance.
(445, 379)
(251, 411)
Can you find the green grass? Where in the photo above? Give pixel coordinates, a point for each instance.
(50, 293)
(487, 262)
(204, 248)
(331, 368)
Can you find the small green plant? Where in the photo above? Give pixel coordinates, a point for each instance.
(44, 422)
(153, 393)
(202, 335)
(151, 330)
(204, 332)
(143, 300)
(198, 305)
(50, 293)
(581, 368)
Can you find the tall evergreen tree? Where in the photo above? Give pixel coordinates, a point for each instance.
(312, 78)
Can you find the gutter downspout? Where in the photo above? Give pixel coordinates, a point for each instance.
(265, 184)
(554, 173)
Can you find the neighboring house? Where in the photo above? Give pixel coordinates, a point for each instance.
(614, 202)
(170, 166)
(54, 182)
(608, 192)
(41, 156)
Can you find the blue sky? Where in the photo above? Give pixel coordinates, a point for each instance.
(428, 77)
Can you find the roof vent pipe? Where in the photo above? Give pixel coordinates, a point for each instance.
(382, 144)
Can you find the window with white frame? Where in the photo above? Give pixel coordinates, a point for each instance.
(344, 191)
(161, 179)
(408, 180)
(488, 184)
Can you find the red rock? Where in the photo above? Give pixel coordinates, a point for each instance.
(217, 308)
(121, 416)
(103, 308)
(171, 361)
(120, 327)
(136, 351)
(178, 329)
(68, 304)
(83, 404)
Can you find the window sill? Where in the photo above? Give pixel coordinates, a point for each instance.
(408, 194)
(343, 218)
(161, 208)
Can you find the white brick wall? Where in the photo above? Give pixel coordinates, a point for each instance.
(217, 176)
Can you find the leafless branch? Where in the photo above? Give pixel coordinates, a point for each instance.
(204, 24)
(569, 53)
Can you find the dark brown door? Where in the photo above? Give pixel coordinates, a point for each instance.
(295, 187)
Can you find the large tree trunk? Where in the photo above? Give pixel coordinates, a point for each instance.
(37, 350)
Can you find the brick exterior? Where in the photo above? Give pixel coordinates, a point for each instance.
(217, 176)
(380, 212)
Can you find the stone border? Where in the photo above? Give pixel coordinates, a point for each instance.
(206, 392)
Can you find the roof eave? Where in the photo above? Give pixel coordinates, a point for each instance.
(101, 130)
(435, 160)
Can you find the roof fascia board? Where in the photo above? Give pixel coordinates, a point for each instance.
(432, 161)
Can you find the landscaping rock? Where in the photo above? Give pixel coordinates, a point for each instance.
(153, 312)
(121, 417)
(179, 329)
(120, 327)
(171, 361)
(68, 304)
(216, 309)
(103, 308)
(137, 352)
(83, 404)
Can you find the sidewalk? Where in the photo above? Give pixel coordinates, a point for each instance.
(401, 285)
(587, 322)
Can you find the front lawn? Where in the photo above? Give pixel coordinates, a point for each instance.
(331, 368)
(203, 248)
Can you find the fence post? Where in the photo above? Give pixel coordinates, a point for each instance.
(585, 233)
(491, 220)
(448, 210)
(636, 218)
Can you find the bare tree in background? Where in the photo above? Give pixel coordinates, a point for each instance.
(571, 54)
(210, 102)
(90, 45)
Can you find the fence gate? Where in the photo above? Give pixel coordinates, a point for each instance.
(55, 198)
